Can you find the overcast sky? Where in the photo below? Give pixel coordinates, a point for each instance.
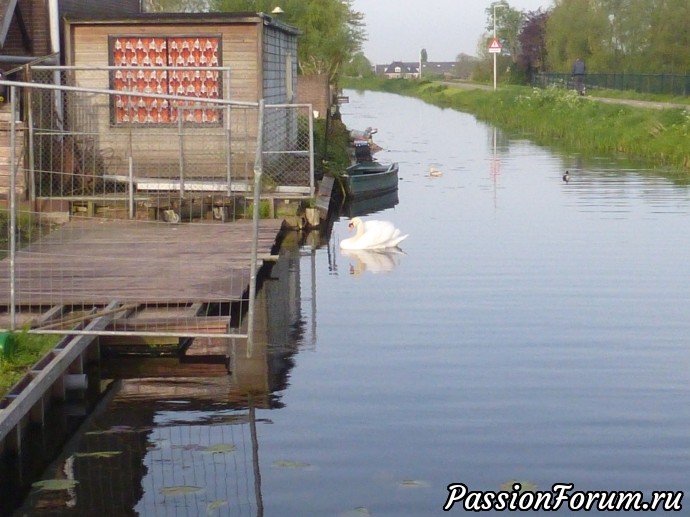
(398, 29)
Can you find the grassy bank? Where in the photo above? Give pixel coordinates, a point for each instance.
(560, 118)
(29, 349)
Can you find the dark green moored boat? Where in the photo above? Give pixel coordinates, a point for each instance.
(367, 177)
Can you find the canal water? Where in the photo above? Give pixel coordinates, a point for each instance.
(530, 330)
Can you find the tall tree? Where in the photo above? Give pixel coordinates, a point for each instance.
(333, 32)
(669, 36)
(641, 36)
(464, 66)
(577, 28)
(175, 6)
(508, 25)
(532, 57)
(359, 66)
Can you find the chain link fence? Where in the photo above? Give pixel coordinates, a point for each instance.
(98, 179)
(288, 149)
(662, 84)
(89, 144)
(86, 144)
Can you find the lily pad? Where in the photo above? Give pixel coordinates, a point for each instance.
(180, 490)
(414, 483)
(220, 448)
(190, 447)
(98, 454)
(360, 511)
(289, 464)
(215, 505)
(55, 484)
(525, 486)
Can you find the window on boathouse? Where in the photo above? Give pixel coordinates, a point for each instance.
(135, 54)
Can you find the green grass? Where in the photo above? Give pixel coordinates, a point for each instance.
(331, 148)
(29, 349)
(28, 229)
(560, 118)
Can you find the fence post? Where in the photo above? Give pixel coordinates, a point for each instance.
(29, 110)
(310, 116)
(13, 206)
(130, 186)
(258, 171)
(180, 134)
(228, 150)
(228, 131)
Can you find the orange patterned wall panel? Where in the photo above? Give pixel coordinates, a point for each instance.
(140, 51)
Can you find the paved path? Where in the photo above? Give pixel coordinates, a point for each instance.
(630, 102)
(642, 104)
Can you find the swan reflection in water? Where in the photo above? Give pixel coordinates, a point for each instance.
(373, 261)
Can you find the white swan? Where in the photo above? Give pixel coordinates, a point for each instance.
(434, 172)
(372, 235)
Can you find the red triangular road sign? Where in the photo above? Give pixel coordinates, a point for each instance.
(495, 44)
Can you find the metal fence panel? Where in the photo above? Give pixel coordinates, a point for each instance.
(88, 143)
(288, 148)
(113, 200)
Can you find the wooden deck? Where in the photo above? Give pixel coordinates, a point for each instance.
(97, 261)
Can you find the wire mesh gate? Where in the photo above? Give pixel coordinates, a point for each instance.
(108, 191)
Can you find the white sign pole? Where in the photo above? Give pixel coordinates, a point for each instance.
(494, 52)
(495, 48)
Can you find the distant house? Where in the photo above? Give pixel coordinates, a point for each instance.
(410, 69)
(400, 70)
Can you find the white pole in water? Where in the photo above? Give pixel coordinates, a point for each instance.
(258, 171)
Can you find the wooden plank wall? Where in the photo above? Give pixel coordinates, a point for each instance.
(156, 149)
(240, 50)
